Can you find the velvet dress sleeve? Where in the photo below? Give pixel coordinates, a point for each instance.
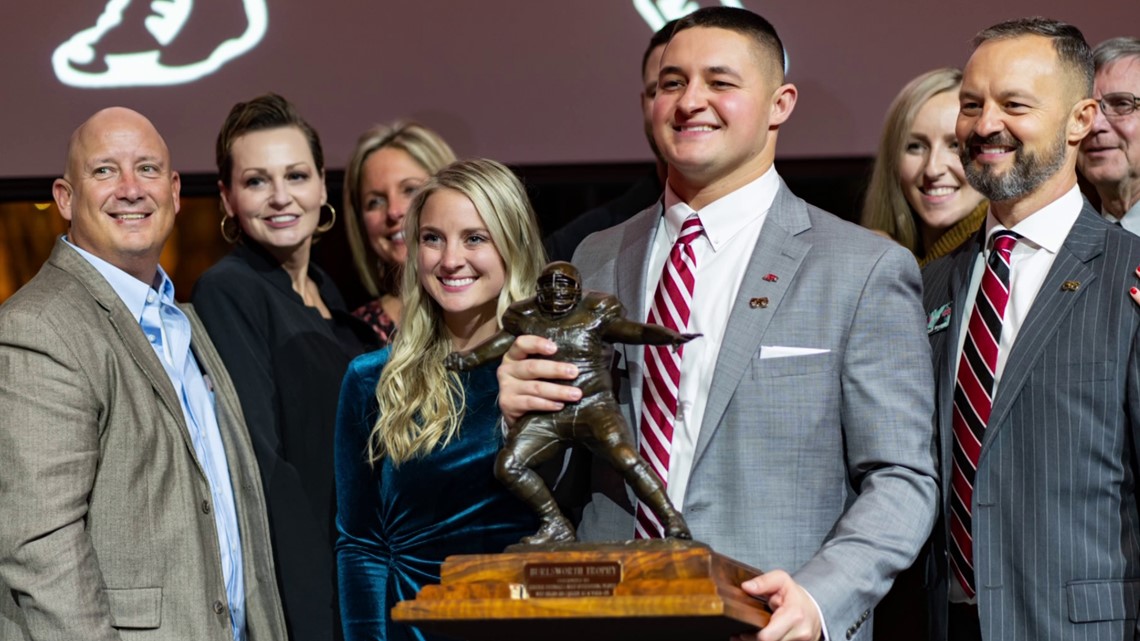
(361, 557)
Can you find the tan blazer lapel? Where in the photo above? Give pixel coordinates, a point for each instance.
(128, 330)
(245, 479)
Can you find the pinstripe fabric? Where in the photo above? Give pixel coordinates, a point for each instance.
(1056, 528)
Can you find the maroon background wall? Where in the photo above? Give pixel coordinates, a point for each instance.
(525, 81)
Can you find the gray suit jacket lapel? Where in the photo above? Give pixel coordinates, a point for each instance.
(1084, 243)
(630, 271)
(127, 327)
(778, 251)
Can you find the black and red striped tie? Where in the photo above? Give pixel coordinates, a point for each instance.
(973, 399)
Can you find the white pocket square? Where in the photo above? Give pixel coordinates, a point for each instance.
(776, 351)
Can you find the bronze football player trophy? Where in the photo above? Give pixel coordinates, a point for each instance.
(583, 325)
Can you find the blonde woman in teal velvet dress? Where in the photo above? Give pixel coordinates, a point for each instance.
(415, 443)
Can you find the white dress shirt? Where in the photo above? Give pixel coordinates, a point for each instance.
(1042, 234)
(732, 225)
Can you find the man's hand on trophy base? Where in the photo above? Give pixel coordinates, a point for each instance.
(795, 616)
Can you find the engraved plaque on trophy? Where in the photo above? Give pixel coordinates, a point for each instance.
(658, 589)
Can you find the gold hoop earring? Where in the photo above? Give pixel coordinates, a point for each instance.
(230, 230)
(322, 229)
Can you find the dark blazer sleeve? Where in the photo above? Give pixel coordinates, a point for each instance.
(561, 243)
(234, 309)
(1132, 396)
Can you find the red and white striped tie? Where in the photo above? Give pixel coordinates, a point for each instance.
(662, 379)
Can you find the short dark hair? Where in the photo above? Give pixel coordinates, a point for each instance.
(661, 37)
(1068, 41)
(267, 111)
(741, 21)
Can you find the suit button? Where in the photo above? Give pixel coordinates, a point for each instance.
(205, 506)
(219, 607)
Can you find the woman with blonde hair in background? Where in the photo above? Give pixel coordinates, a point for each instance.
(416, 443)
(918, 193)
(388, 165)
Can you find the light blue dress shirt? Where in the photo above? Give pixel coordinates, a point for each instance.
(168, 331)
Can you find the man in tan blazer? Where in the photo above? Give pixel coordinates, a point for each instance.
(129, 495)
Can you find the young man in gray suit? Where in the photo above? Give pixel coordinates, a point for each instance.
(128, 487)
(802, 443)
(1037, 364)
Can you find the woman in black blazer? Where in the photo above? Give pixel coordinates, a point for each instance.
(281, 328)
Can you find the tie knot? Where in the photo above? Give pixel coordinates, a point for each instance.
(690, 229)
(1003, 241)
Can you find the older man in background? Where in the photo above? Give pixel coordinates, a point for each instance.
(1110, 155)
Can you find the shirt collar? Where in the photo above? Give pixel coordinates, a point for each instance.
(1047, 227)
(1132, 213)
(723, 218)
(132, 291)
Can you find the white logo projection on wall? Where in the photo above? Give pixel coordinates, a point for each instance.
(164, 42)
(658, 12)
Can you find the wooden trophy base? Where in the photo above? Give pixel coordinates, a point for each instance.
(663, 590)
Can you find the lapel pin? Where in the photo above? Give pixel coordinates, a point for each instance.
(771, 278)
(1070, 285)
(939, 319)
(759, 302)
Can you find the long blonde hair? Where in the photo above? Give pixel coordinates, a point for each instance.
(885, 207)
(421, 403)
(427, 149)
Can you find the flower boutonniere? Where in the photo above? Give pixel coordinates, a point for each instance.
(939, 319)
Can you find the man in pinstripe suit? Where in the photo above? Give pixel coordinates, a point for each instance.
(1041, 535)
